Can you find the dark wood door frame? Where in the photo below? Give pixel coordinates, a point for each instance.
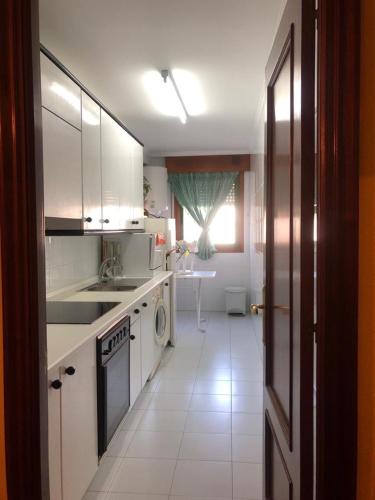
(337, 285)
(22, 252)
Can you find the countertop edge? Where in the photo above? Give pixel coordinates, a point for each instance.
(112, 319)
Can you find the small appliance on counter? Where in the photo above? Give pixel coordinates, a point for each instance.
(145, 254)
(76, 313)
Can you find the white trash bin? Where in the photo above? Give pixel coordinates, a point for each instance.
(235, 299)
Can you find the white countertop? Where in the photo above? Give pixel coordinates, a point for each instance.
(196, 274)
(63, 340)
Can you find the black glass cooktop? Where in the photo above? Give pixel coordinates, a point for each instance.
(77, 313)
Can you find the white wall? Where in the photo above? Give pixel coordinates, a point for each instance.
(256, 204)
(70, 259)
(233, 269)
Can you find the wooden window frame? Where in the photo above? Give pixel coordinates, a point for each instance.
(222, 163)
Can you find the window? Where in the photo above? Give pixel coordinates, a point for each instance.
(226, 232)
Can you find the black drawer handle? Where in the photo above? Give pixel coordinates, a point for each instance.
(135, 222)
(132, 337)
(136, 311)
(70, 370)
(56, 384)
(144, 304)
(88, 219)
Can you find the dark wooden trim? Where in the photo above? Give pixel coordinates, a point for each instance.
(239, 246)
(337, 252)
(269, 435)
(286, 421)
(69, 74)
(22, 252)
(209, 163)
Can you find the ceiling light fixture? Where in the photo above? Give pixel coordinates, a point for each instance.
(175, 92)
(174, 95)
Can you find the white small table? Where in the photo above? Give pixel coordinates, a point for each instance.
(197, 275)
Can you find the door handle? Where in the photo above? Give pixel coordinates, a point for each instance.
(284, 309)
(255, 308)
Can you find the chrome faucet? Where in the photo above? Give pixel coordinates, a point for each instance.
(110, 268)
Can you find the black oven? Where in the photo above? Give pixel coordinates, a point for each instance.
(113, 378)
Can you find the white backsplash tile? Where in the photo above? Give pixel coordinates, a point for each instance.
(70, 259)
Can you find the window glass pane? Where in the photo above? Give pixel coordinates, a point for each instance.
(223, 227)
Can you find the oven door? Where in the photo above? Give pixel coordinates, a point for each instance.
(113, 395)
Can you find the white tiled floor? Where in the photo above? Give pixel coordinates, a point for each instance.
(195, 433)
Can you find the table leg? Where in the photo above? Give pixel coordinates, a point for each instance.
(199, 298)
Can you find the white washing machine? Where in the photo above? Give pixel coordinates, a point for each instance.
(162, 322)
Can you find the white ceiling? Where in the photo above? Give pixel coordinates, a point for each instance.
(110, 44)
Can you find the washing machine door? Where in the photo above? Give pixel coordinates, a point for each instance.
(161, 323)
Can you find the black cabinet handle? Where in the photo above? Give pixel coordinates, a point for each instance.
(88, 219)
(70, 370)
(136, 311)
(56, 384)
(144, 304)
(135, 222)
(166, 284)
(132, 337)
(106, 221)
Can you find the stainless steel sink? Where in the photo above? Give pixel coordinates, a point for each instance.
(117, 285)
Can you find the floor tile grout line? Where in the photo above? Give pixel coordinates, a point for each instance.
(203, 346)
(231, 402)
(183, 433)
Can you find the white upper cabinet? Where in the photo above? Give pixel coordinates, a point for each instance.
(62, 168)
(112, 160)
(91, 165)
(126, 183)
(59, 93)
(137, 155)
(122, 177)
(93, 168)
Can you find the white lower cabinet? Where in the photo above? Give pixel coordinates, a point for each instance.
(78, 417)
(147, 335)
(54, 436)
(135, 360)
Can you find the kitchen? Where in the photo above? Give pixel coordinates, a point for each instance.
(104, 395)
(126, 337)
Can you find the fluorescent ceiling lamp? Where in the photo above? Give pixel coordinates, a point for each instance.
(74, 101)
(175, 93)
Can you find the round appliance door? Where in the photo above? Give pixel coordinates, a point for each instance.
(161, 323)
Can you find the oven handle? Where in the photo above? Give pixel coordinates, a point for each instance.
(102, 410)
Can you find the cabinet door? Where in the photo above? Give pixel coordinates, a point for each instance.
(62, 168)
(147, 336)
(112, 157)
(79, 422)
(126, 181)
(59, 93)
(91, 168)
(137, 167)
(54, 438)
(135, 361)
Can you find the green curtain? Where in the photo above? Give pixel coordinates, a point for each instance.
(202, 194)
